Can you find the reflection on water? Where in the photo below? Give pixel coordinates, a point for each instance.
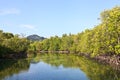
(56, 67)
(11, 67)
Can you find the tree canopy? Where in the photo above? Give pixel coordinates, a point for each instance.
(102, 39)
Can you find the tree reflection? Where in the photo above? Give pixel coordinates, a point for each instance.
(93, 70)
(10, 67)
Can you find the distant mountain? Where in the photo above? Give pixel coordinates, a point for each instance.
(35, 37)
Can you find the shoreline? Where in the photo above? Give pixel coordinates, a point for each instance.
(113, 60)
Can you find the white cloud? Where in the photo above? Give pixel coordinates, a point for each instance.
(27, 26)
(9, 11)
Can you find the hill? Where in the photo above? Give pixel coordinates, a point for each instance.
(35, 37)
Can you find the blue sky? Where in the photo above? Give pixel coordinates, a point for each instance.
(51, 17)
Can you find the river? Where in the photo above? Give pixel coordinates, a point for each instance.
(56, 67)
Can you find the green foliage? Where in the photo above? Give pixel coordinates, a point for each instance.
(117, 49)
(103, 39)
(32, 47)
(11, 44)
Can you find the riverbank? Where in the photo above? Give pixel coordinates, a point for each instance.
(15, 55)
(113, 60)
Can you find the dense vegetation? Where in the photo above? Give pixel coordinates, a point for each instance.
(12, 44)
(102, 39)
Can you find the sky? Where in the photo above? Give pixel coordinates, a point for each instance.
(51, 17)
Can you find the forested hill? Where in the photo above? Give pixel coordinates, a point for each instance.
(104, 39)
(35, 37)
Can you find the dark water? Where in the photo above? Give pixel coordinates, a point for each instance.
(56, 67)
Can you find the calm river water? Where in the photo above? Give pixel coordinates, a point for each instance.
(56, 67)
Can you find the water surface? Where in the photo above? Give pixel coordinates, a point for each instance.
(56, 67)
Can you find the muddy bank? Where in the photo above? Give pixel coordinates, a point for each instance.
(112, 60)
